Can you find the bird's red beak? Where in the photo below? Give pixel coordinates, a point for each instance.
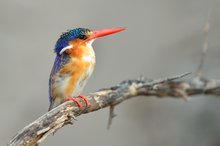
(104, 32)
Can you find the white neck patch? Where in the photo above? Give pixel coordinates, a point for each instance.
(65, 48)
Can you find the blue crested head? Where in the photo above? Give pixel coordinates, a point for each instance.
(72, 34)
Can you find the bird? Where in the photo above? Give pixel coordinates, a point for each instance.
(74, 64)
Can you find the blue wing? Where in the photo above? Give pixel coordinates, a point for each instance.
(60, 61)
(55, 69)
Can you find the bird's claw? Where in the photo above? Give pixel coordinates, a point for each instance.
(79, 104)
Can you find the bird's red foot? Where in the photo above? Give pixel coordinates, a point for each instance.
(77, 101)
(85, 100)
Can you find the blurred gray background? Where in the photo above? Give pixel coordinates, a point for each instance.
(164, 38)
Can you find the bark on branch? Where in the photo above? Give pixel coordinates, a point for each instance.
(64, 114)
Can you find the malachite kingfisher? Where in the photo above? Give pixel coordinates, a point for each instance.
(74, 64)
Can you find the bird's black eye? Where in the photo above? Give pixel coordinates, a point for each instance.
(82, 37)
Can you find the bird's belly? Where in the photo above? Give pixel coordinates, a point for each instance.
(80, 84)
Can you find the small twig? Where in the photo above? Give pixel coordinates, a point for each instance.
(111, 116)
(206, 30)
(167, 80)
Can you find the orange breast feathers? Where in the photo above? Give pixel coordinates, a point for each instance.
(80, 66)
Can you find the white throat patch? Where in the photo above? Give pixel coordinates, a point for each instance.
(91, 56)
(88, 58)
(89, 44)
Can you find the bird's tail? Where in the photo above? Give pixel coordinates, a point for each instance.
(54, 103)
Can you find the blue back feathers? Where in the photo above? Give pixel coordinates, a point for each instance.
(68, 36)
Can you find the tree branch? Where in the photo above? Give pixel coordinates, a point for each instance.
(64, 114)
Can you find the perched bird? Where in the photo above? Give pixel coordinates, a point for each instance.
(74, 64)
